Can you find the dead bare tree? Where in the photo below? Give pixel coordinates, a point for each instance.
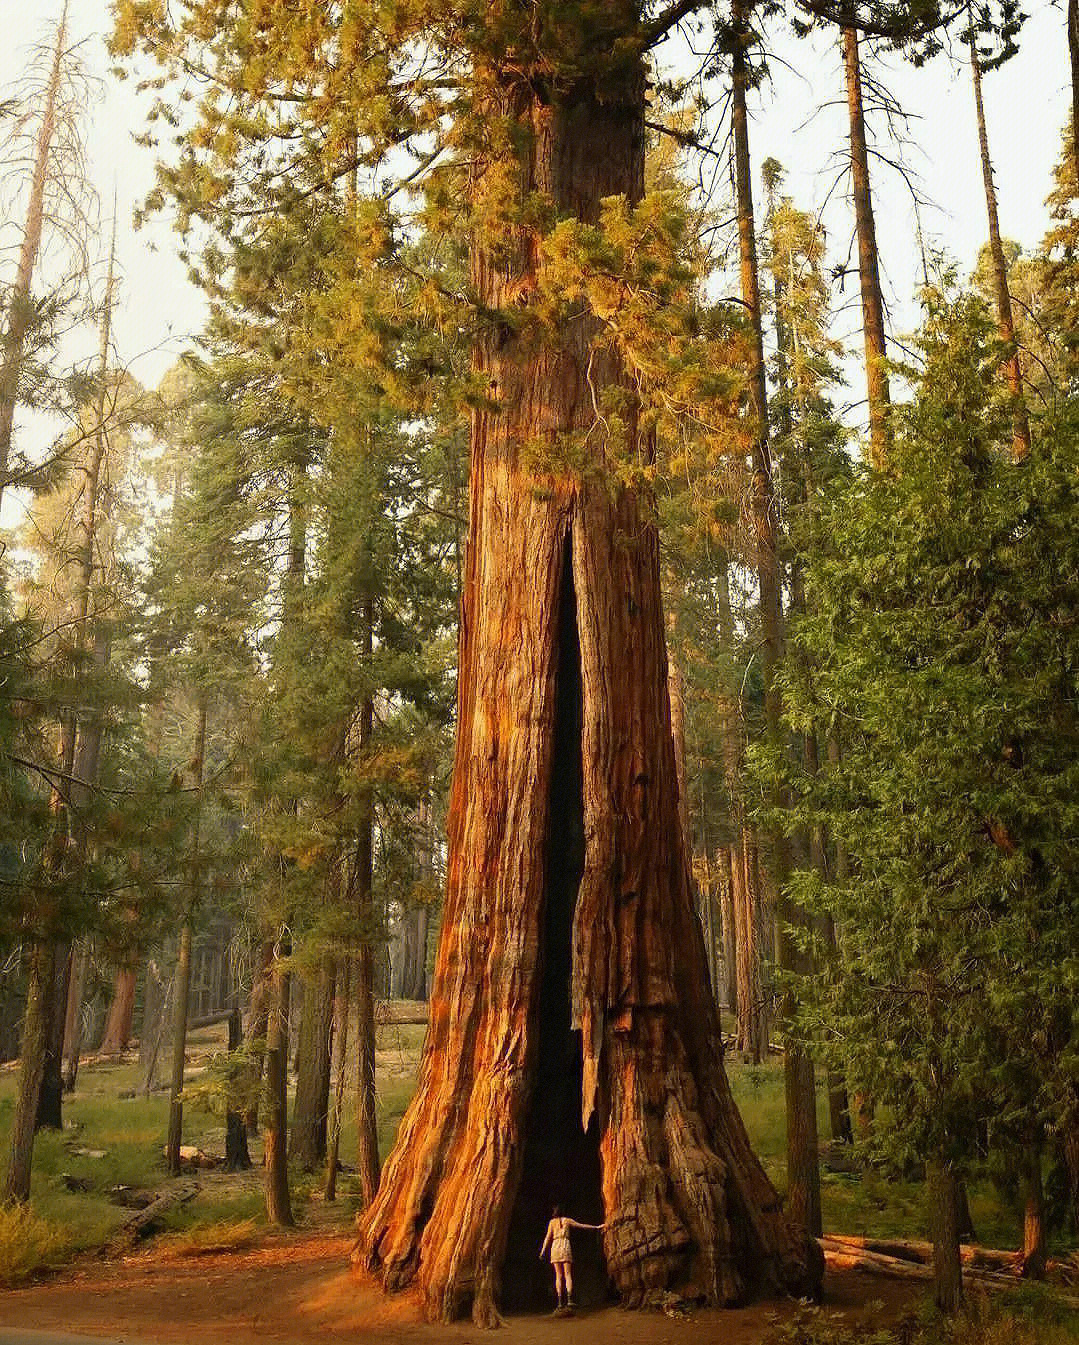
(43, 181)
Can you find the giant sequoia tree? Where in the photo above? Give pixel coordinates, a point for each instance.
(574, 1049)
(573, 1044)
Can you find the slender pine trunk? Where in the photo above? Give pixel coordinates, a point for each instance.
(182, 982)
(237, 1157)
(368, 1162)
(340, 1071)
(1005, 323)
(868, 263)
(73, 1016)
(307, 1139)
(803, 1175)
(1073, 55)
(278, 1200)
(40, 967)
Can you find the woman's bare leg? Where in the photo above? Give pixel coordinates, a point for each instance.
(567, 1273)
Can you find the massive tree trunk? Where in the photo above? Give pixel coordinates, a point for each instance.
(876, 374)
(573, 1052)
(1005, 323)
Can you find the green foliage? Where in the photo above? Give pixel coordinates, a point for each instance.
(942, 635)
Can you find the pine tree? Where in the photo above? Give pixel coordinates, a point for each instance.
(937, 624)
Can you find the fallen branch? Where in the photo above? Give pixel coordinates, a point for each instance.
(144, 1221)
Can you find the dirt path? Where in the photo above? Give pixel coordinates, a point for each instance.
(299, 1290)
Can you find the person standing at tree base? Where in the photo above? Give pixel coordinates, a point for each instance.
(557, 1239)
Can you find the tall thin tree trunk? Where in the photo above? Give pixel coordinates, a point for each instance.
(1073, 54)
(181, 988)
(368, 1161)
(73, 1017)
(80, 733)
(880, 435)
(726, 858)
(1005, 324)
(745, 970)
(50, 1102)
(307, 1140)
(278, 1200)
(1033, 1192)
(182, 980)
(237, 1157)
(258, 1013)
(32, 1044)
(678, 731)
(942, 1193)
(803, 1174)
(20, 304)
(342, 998)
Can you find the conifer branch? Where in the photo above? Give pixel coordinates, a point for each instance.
(650, 33)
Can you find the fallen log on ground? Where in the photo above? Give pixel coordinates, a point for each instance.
(144, 1221)
(910, 1249)
(844, 1254)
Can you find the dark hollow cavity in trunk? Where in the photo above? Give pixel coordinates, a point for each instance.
(561, 1163)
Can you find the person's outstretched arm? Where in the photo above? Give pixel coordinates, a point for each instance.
(595, 1228)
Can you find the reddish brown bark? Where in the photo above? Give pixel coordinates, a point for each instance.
(121, 1013)
(1034, 1249)
(726, 858)
(570, 947)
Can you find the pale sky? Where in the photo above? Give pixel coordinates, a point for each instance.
(1027, 104)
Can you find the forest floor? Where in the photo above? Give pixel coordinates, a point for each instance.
(300, 1289)
(214, 1272)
